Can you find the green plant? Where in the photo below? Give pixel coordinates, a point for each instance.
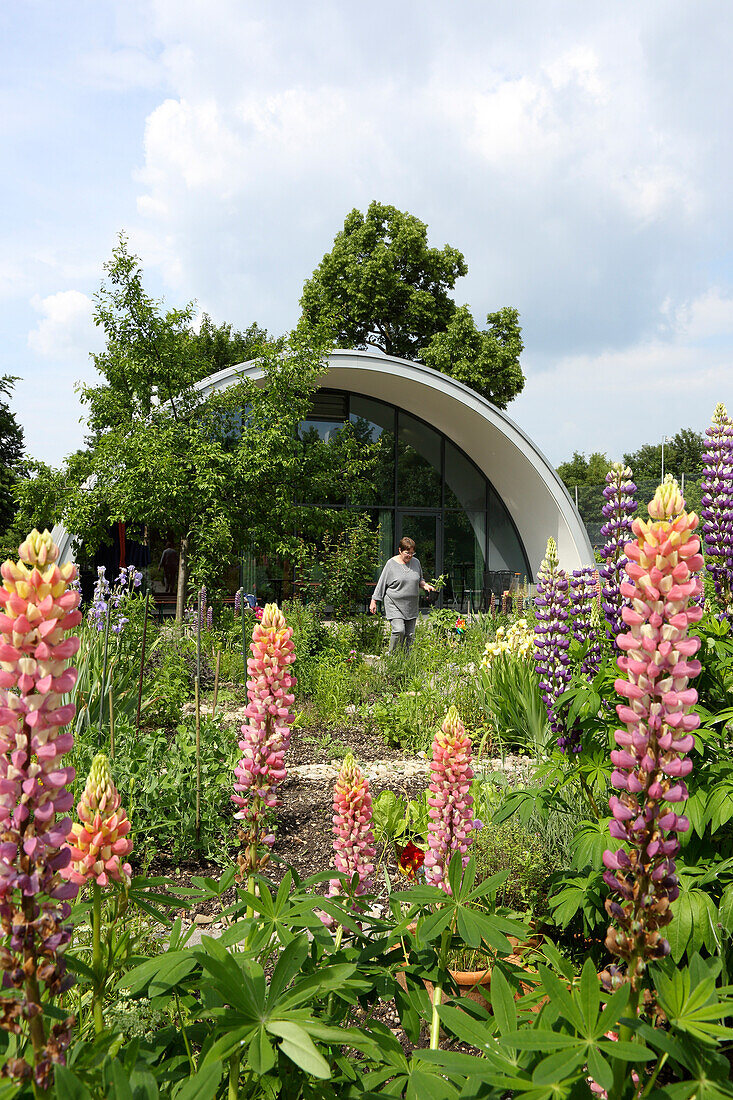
(348, 562)
(513, 703)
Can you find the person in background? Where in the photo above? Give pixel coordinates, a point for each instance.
(399, 590)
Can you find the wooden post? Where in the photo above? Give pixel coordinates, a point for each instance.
(216, 682)
(142, 663)
(198, 720)
(111, 723)
(103, 685)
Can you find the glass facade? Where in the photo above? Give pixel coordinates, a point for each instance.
(427, 488)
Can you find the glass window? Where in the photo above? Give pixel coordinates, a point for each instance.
(464, 539)
(373, 422)
(505, 549)
(418, 464)
(465, 486)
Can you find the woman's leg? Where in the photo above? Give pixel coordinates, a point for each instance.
(397, 635)
(409, 633)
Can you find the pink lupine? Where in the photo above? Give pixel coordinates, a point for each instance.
(99, 840)
(451, 803)
(651, 760)
(353, 838)
(265, 735)
(38, 610)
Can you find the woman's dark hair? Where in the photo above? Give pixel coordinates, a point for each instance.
(406, 544)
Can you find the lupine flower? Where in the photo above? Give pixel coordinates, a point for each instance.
(202, 607)
(451, 818)
(38, 610)
(113, 598)
(209, 618)
(651, 761)
(585, 622)
(265, 735)
(353, 838)
(619, 510)
(238, 601)
(99, 840)
(717, 506)
(552, 640)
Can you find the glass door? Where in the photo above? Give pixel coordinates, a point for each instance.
(423, 529)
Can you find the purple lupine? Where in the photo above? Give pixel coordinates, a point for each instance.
(552, 640)
(238, 601)
(619, 510)
(584, 624)
(717, 506)
(651, 760)
(209, 618)
(451, 825)
(202, 607)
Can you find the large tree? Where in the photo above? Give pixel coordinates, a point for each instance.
(682, 455)
(217, 473)
(11, 452)
(382, 284)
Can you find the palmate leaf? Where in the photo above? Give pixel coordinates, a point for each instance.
(298, 1046)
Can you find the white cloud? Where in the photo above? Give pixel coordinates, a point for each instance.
(122, 70)
(709, 316)
(66, 329)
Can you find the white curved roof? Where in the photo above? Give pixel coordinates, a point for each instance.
(533, 493)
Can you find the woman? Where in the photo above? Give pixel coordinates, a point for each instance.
(399, 589)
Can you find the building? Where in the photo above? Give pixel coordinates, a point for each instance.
(455, 473)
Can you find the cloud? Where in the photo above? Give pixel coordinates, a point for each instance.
(66, 329)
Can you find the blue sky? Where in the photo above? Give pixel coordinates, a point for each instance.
(577, 153)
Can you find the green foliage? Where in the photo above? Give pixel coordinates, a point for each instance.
(513, 703)
(486, 361)
(682, 455)
(381, 283)
(580, 470)
(348, 562)
(11, 450)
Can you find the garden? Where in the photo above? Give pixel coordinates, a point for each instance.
(251, 854)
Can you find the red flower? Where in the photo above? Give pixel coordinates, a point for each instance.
(410, 859)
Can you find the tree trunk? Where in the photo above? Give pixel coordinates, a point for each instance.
(182, 577)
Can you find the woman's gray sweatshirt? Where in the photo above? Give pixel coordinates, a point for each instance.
(399, 589)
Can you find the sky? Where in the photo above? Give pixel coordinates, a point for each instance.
(577, 153)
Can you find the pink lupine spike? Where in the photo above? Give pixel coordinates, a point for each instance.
(100, 804)
(451, 824)
(651, 762)
(353, 838)
(37, 610)
(265, 735)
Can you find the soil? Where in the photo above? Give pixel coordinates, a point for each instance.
(304, 820)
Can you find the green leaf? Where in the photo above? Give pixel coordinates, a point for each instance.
(120, 1082)
(68, 1086)
(535, 1038)
(561, 998)
(680, 930)
(260, 1054)
(627, 1052)
(204, 1085)
(502, 1002)
(288, 965)
(477, 1033)
(299, 1047)
(599, 1069)
(558, 1067)
(589, 995)
(725, 910)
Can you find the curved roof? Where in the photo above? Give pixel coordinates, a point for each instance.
(535, 496)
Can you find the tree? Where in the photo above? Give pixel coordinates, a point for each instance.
(682, 455)
(219, 472)
(11, 450)
(381, 284)
(488, 361)
(580, 470)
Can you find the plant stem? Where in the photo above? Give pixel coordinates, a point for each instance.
(438, 990)
(103, 685)
(189, 1052)
(233, 1091)
(216, 682)
(97, 957)
(111, 723)
(589, 795)
(652, 1080)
